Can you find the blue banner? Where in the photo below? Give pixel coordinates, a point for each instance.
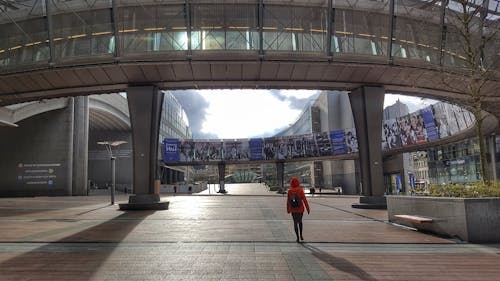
(170, 150)
(430, 124)
(256, 146)
(338, 142)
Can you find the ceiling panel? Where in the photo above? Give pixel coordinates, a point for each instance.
(332, 71)
(316, 71)
(299, 73)
(182, 71)
(99, 75)
(166, 72)
(69, 76)
(134, 73)
(40, 79)
(86, 76)
(201, 71)
(347, 73)
(115, 73)
(151, 72)
(374, 74)
(268, 70)
(284, 72)
(233, 71)
(54, 79)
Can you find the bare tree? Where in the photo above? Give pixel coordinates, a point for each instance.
(472, 28)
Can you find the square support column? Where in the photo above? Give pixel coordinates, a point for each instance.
(367, 107)
(145, 105)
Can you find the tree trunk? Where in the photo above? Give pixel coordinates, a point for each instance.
(482, 147)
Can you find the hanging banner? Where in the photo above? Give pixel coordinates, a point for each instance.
(430, 125)
(323, 144)
(338, 142)
(186, 148)
(236, 150)
(170, 150)
(256, 146)
(351, 141)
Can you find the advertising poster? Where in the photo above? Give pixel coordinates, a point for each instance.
(297, 148)
(390, 134)
(270, 147)
(351, 141)
(430, 124)
(323, 144)
(208, 150)
(452, 119)
(256, 147)
(310, 149)
(236, 150)
(338, 142)
(171, 150)
(186, 151)
(459, 114)
(282, 150)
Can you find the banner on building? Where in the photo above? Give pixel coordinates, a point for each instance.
(256, 147)
(338, 142)
(430, 124)
(171, 150)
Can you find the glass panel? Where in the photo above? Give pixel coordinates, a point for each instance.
(361, 32)
(224, 27)
(417, 33)
(152, 28)
(462, 38)
(23, 33)
(82, 33)
(292, 28)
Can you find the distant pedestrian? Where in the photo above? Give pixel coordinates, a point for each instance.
(175, 189)
(296, 199)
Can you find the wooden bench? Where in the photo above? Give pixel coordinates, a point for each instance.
(413, 219)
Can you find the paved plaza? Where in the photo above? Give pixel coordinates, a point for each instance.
(224, 237)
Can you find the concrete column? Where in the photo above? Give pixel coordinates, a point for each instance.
(222, 175)
(367, 107)
(80, 145)
(71, 127)
(145, 104)
(280, 174)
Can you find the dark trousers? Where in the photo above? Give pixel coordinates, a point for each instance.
(297, 224)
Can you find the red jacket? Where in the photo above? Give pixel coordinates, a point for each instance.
(302, 196)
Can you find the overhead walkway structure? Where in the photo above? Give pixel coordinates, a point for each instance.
(71, 48)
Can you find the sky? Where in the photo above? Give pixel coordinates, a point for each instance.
(414, 103)
(233, 114)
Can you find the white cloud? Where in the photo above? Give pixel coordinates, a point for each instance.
(246, 113)
(413, 103)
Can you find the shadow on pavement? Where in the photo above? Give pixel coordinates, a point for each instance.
(339, 263)
(75, 257)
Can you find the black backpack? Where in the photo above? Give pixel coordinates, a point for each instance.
(295, 201)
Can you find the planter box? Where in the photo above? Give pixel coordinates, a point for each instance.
(469, 219)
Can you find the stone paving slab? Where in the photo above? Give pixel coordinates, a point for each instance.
(224, 237)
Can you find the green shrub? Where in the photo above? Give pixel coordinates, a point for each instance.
(470, 190)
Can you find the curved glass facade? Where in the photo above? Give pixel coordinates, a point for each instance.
(39, 32)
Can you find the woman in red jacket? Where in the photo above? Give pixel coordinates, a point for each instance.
(296, 199)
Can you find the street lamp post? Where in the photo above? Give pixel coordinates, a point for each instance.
(109, 145)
